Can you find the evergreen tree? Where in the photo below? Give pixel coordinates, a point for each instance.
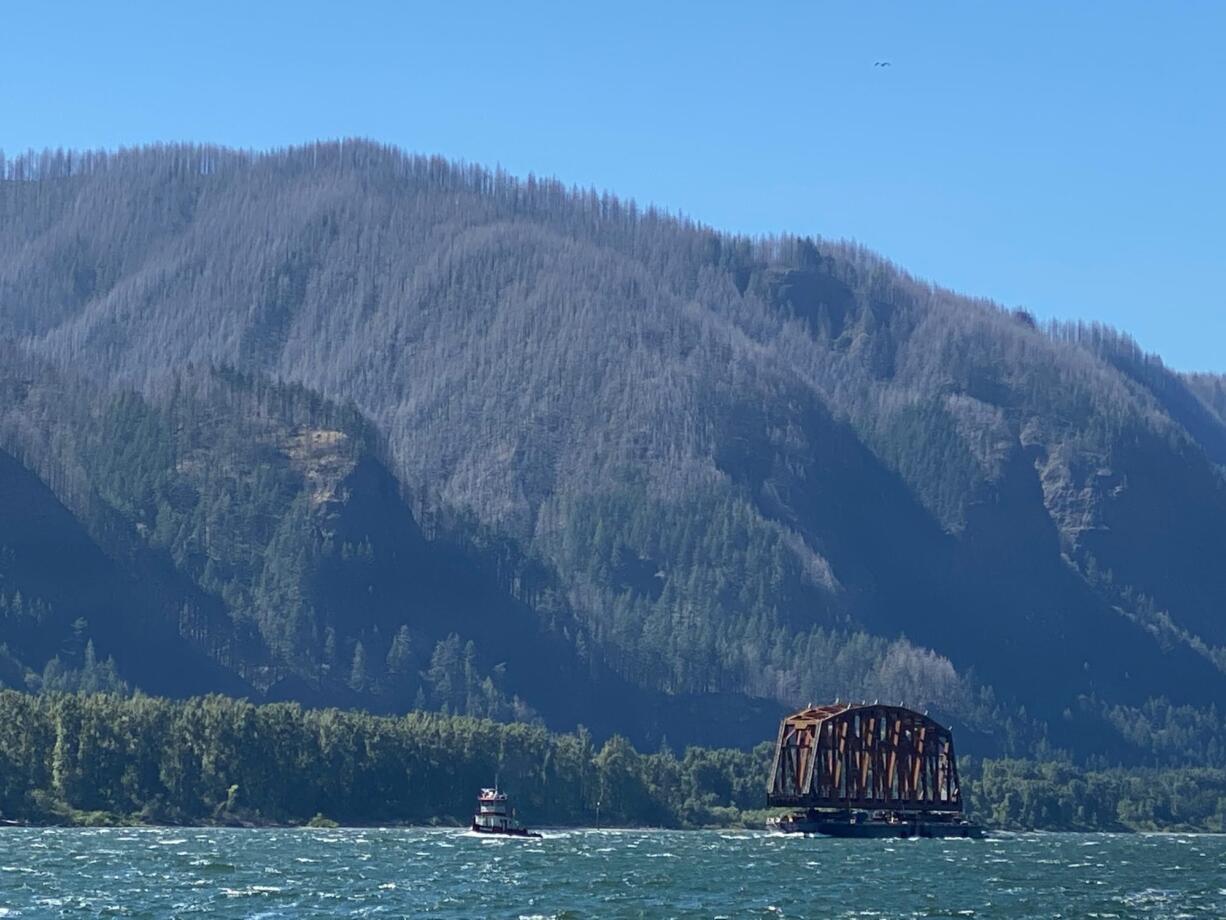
(357, 672)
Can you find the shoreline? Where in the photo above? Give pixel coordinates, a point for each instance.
(96, 821)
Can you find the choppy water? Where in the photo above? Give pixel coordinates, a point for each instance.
(162, 873)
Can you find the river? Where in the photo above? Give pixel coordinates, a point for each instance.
(189, 872)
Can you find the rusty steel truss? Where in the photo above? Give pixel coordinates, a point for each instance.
(865, 756)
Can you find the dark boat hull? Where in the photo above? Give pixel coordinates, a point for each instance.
(875, 829)
(508, 832)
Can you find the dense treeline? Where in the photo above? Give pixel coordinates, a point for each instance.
(65, 757)
(699, 465)
(1025, 795)
(103, 758)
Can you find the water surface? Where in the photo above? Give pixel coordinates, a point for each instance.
(161, 873)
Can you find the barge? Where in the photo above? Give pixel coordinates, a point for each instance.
(865, 770)
(872, 825)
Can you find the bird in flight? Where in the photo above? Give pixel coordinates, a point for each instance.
(881, 63)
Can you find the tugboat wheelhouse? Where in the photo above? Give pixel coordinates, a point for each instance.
(494, 815)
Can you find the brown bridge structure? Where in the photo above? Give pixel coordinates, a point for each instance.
(861, 756)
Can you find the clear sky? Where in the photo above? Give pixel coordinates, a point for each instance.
(1069, 157)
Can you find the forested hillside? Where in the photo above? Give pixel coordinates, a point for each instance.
(356, 426)
(264, 547)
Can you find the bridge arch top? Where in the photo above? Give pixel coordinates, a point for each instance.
(811, 716)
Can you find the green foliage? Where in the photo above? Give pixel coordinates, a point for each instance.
(245, 487)
(109, 759)
(218, 759)
(93, 676)
(1022, 795)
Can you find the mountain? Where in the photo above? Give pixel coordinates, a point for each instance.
(271, 553)
(53, 576)
(621, 453)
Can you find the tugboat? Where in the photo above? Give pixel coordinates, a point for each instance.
(494, 816)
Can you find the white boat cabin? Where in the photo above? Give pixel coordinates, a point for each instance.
(493, 812)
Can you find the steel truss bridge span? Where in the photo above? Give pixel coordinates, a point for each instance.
(865, 757)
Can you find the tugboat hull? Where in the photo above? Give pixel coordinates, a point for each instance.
(504, 832)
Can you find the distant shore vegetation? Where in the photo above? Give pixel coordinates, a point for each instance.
(98, 759)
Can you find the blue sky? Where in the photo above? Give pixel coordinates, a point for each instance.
(1065, 157)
